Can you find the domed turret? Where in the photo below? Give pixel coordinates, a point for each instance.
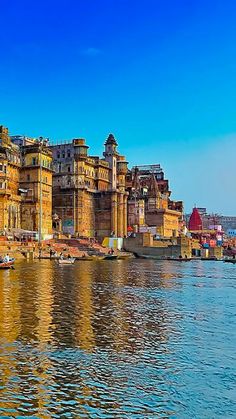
(111, 140)
(110, 145)
(81, 149)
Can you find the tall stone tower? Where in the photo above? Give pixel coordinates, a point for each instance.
(36, 181)
(111, 155)
(118, 195)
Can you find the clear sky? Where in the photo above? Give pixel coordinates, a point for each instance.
(159, 74)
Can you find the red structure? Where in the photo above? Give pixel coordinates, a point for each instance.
(195, 221)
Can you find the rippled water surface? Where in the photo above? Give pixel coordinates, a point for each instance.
(118, 339)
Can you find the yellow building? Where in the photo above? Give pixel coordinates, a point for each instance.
(10, 198)
(36, 187)
(23, 184)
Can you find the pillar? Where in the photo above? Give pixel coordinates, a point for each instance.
(114, 213)
(120, 215)
(125, 215)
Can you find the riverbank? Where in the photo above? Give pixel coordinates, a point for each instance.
(80, 249)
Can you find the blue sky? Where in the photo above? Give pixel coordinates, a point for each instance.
(159, 74)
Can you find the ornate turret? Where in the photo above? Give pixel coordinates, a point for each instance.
(122, 165)
(5, 140)
(111, 140)
(81, 149)
(110, 145)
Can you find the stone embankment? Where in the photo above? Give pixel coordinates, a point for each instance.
(77, 248)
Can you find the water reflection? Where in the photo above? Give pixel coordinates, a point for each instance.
(109, 339)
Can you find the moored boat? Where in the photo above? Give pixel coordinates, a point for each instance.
(7, 265)
(230, 260)
(68, 261)
(110, 257)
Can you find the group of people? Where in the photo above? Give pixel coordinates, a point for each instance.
(5, 259)
(62, 256)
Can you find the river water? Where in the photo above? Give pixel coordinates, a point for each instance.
(118, 339)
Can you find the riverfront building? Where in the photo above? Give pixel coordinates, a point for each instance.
(25, 175)
(149, 206)
(63, 189)
(89, 196)
(36, 188)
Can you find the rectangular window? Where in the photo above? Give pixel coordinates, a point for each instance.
(34, 161)
(69, 169)
(1, 167)
(28, 178)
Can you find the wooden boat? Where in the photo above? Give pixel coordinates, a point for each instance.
(230, 260)
(7, 265)
(179, 259)
(110, 257)
(69, 261)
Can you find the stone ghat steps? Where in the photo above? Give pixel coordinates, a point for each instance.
(92, 249)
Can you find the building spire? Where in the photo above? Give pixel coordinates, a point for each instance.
(111, 140)
(153, 191)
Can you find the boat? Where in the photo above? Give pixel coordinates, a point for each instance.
(110, 257)
(69, 261)
(179, 259)
(7, 265)
(230, 260)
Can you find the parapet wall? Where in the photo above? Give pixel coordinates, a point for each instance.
(136, 246)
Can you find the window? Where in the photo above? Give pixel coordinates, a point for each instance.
(68, 168)
(68, 153)
(63, 155)
(58, 155)
(34, 161)
(28, 178)
(1, 167)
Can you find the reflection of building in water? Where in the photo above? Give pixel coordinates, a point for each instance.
(45, 300)
(84, 336)
(9, 333)
(44, 333)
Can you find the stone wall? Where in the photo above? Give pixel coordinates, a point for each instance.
(137, 246)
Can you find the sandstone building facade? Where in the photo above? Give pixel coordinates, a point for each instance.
(149, 202)
(25, 178)
(89, 196)
(62, 188)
